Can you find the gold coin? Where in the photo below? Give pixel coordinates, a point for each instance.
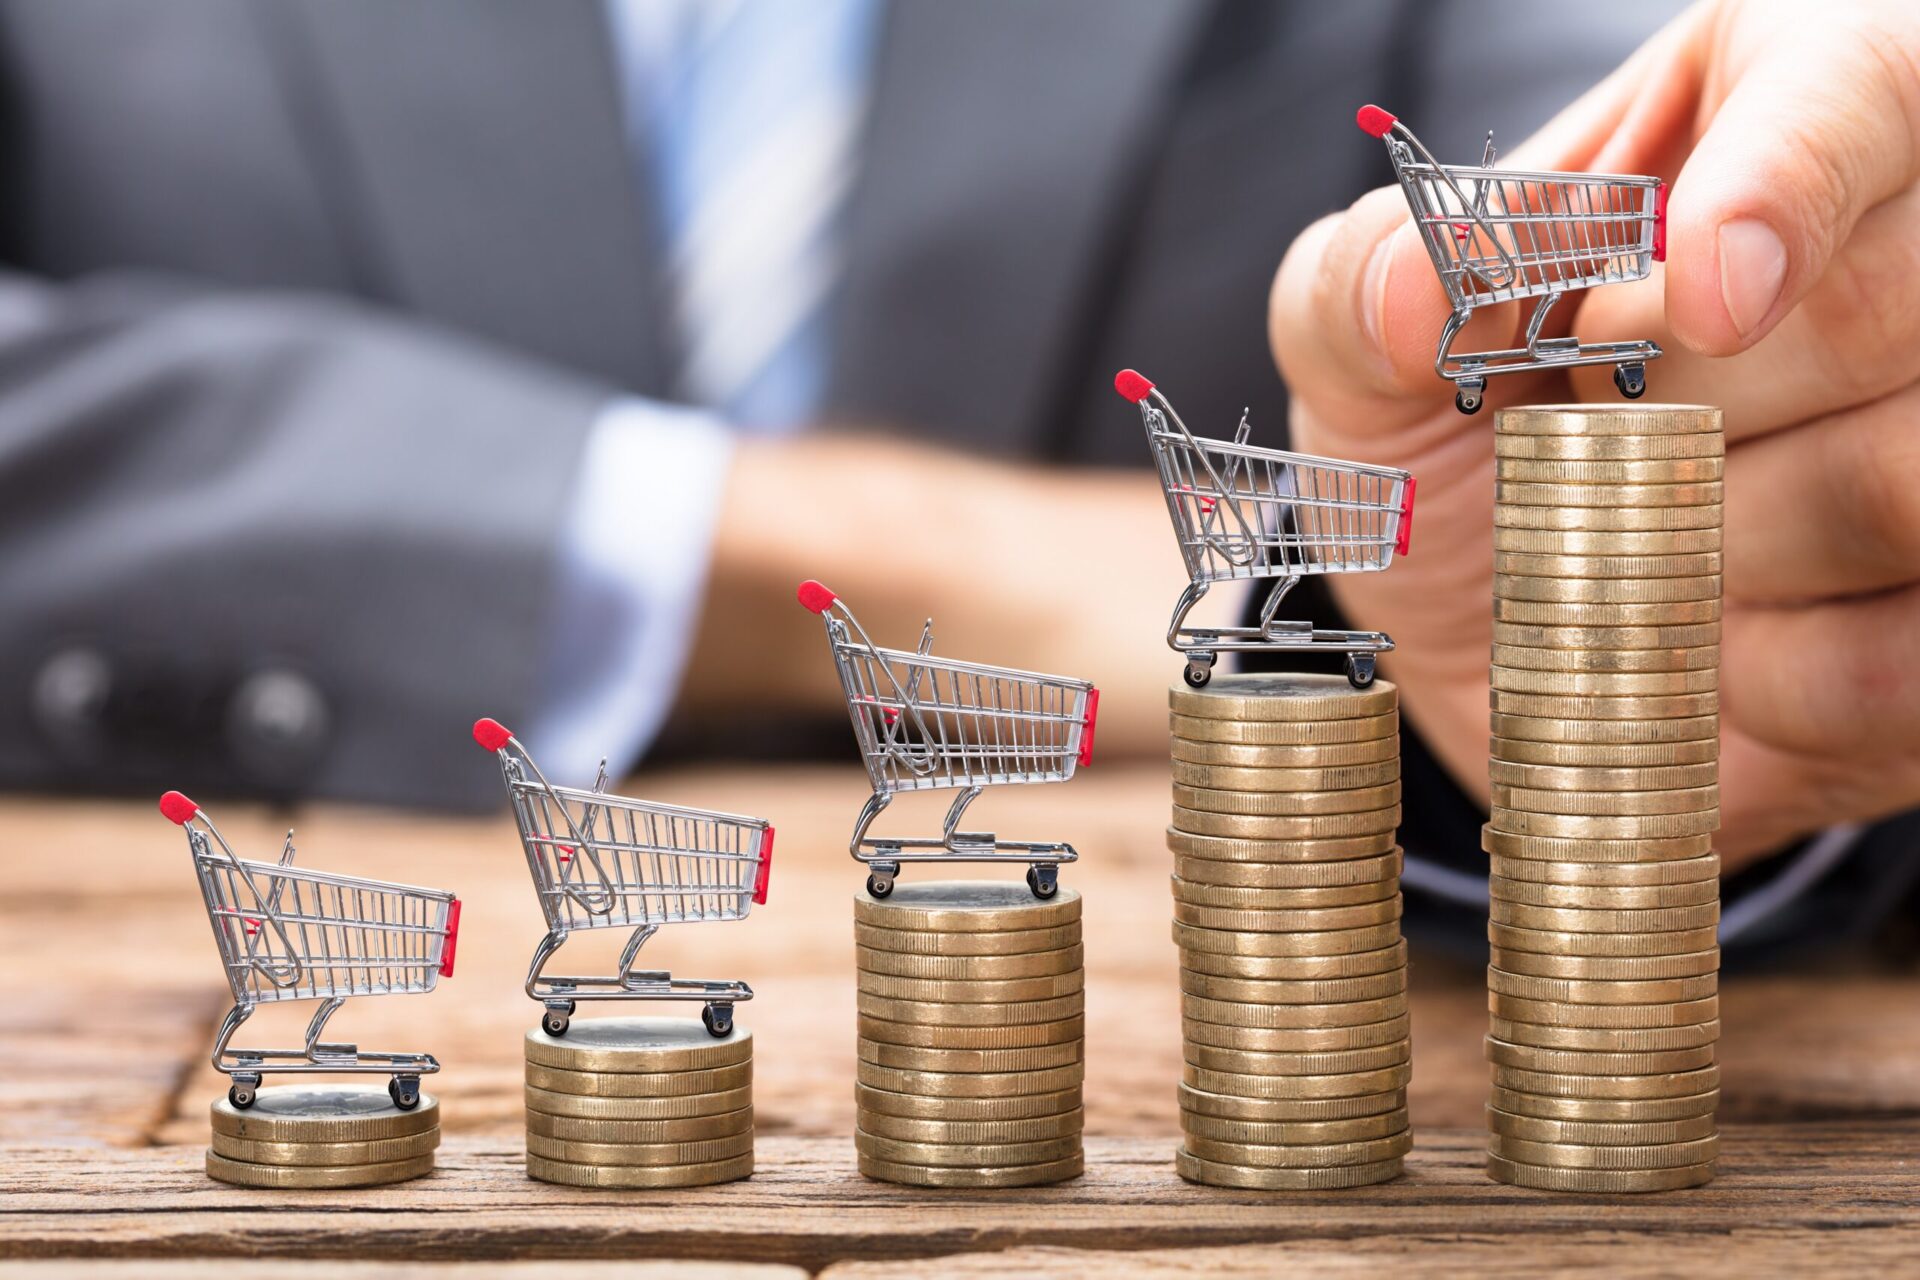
(1220, 777)
(1020, 1175)
(1605, 684)
(971, 969)
(1287, 733)
(1673, 1084)
(1539, 567)
(1599, 640)
(1638, 1110)
(965, 906)
(915, 942)
(1380, 872)
(1319, 826)
(1551, 778)
(241, 1173)
(1561, 729)
(1555, 613)
(1669, 1013)
(1608, 1041)
(1597, 1181)
(935, 1036)
(1213, 1173)
(1554, 942)
(1010, 1013)
(724, 1124)
(1253, 1084)
(672, 1107)
(1639, 497)
(1692, 872)
(1286, 968)
(1290, 696)
(1507, 1052)
(1242, 898)
(323, 1113)
(1632, 519)
(1042, 1057)
(1605, 803)
(1295, 1039)
(1599, 1133)
(1241, 1013)
(1574, 991)
(948, 990)
(965, 1155)
(1294, 1132)
(1688, 849)
(1609, 472)
(1567, 1155)
(1606, 920)
(649, 1045)
(1233, 1106)
(705, 1151)
(1236, 849)
(1606, 591)
(1319, 1156)
(1646, 968)
(1246, 1071)
(1310, 919)
(315, 1154)
(1331, 755)
(1650, 826)
(1337, 942)
(1574, 707)
(958, 1132)
(1520, 657)
(1590, 897)
(1606, 755)
(1287, 804)
(1373, 986)
(573, 1174)
(641, 1084)
(1707, 444)
(1585, 420)
(915, 1106)
(969, 1084)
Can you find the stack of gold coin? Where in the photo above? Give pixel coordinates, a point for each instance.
(971, 1035)
(1603, 983)
(322, 1137)
(1286, 909)
(639, 1102)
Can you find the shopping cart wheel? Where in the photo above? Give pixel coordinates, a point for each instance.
(879, 886)
(557, 1018)
(1470, 395)
(1044, 880)
(1199, 670)
(1360, 669)
(1631, 379)
(241, 1092)
(405, 1091)
(719, 1019)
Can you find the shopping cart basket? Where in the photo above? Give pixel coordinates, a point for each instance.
(1245, 513)
(286, 933)
(1501, 235)
(927, 723)
(603, 861)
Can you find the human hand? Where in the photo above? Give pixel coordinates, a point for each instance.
(1791, 298)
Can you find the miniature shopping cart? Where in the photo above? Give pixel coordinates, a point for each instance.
(1245, 513)
(286, 933)
(927, 723)
(603, 861)
(1501, 235)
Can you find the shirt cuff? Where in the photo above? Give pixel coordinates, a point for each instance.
(632, 564)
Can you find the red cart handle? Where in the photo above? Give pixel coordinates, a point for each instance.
(817, 597)
(1660, 223)
(765, 872)
(1375, 120)
(1404, 538)
(491, 734)
(178, 808)
(453, 939)
(1133, 387)
(1086, 736)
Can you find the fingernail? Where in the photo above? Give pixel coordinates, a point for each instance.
(1373, 293)
(1753, 266)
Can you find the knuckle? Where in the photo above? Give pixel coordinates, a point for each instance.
(1878, 484)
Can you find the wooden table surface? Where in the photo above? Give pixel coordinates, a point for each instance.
(112, 992)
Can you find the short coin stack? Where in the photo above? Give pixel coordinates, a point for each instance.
(1605, 889)
(639, 1102)
(322, 1137)
(1286, 902)
(972, 1035)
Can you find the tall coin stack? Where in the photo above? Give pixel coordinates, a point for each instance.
(639, 1102)
(322, 1137)
(972, 1032)
(1286, 903)
(1605, 888)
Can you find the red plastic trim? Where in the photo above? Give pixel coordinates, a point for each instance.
(1086, 738)
(453, 939)
(1404, 539)
(1132, 386)
(1374, 120)
(815, 596)
(490, 734)
(1660, 223)
(178, 808)
(765, 872)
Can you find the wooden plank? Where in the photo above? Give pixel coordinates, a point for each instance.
(807, 1206)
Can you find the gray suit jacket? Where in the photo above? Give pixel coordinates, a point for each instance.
(313, 302)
